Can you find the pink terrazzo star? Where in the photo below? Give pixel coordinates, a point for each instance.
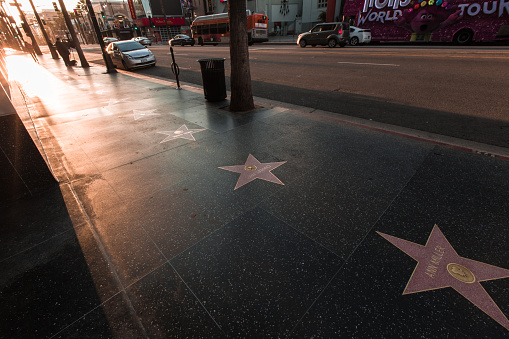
(253, 169)
(439, 266)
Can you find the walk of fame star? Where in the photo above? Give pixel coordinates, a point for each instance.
(138, 114)
(253, 169)
(439, 266)
(182, 132)
(116, 101)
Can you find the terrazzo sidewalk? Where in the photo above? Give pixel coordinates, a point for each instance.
(175, 218)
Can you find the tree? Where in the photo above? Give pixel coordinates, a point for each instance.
(322, 17)
(240, 79)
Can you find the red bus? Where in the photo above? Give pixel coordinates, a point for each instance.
(215, 28)
(460, 21)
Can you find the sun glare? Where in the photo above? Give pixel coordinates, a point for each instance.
(36, 81)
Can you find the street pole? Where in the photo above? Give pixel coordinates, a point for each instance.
(11, 34)
(110, 68)
(52, 48)
(82, 32)
(165, 21)
(89, 22)
(14, 30)
(28, 29)
(83, 61)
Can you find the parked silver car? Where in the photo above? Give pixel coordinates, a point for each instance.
(130, 54)
(328, 34)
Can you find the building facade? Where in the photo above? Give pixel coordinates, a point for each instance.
(285, 16)
(160, 20)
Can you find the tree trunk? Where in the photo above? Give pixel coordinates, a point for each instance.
(240, 79)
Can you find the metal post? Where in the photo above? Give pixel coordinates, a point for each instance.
(29, 30)
(110, 68)
(52, 48)
(175, 68)
(83, 61)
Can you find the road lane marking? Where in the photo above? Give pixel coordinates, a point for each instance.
(366, 63)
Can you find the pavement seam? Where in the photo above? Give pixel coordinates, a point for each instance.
(84, 315)
(180, 277)
(109, 261)
(364, 238)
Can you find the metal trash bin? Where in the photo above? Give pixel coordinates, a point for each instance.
(212, 74)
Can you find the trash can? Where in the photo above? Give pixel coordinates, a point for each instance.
(212, 74)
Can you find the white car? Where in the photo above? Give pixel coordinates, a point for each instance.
(359, 36)
(107, 40)
(142, 40)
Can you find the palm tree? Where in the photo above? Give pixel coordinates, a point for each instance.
(241, 91)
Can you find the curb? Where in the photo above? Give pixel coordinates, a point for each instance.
(436, 139)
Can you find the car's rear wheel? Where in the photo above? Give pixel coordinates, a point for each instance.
(302, 43)
(354, 41)
(332, 43)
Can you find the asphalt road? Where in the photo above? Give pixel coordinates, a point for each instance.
(449, 90)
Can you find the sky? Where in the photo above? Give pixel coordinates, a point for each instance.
(46, 4)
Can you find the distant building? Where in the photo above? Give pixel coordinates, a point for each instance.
(149, 17)
(285, 16)
(113, 18)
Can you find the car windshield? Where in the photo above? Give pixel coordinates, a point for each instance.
(130, 46)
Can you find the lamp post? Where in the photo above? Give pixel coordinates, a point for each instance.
(110, 68)
(83, 61)
(27, 28)
(52, 48)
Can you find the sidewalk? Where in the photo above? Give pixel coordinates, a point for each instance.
(177, 218)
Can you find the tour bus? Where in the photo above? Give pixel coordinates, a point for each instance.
(460, 21)
(215, 28)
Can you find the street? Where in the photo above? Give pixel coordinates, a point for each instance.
(448, 90)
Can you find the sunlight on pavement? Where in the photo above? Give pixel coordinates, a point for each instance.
(36, 80)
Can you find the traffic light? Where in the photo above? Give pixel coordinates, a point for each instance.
(151, 23)
(55, 7)
(103, 15)
(135, 27)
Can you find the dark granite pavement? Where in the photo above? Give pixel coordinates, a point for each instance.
(145, 236)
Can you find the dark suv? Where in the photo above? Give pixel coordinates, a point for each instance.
(330, 33)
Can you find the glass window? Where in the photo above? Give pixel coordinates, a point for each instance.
(205, 29)
(322, 3)
(221, 28)
(213, 29)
